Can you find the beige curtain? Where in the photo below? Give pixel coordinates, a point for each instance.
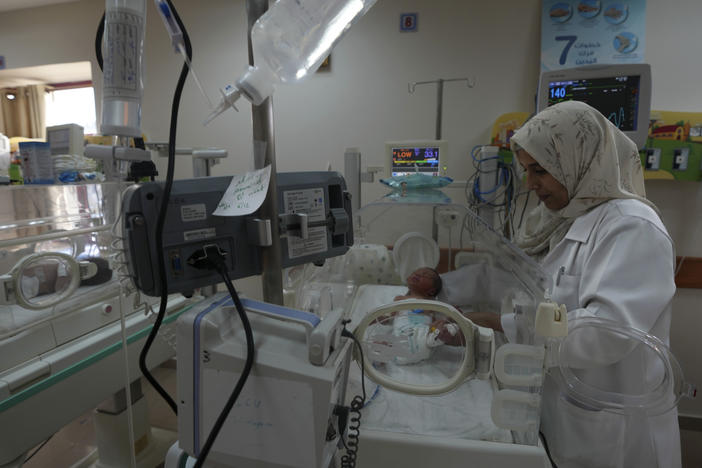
(25, 115)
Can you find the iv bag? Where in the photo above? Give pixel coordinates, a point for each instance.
(290, 41)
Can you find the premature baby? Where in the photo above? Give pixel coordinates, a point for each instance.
(423, 283)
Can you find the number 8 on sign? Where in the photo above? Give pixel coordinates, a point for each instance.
(408, 22)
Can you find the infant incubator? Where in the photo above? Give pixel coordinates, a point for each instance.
(65, 306)
(429, 372)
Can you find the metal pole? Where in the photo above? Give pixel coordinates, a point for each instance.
(352, 174)
(439, 96)
(439, 106)
(201, 167)
(264, 154)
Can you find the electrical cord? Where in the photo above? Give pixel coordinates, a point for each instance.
(212, 258)
(679, 267)
(503, 189)
(37, 449)
(511, 203)
(548, 452)
(162, 212)
(521, 218)
(502, 181)
(98, 40)
(357, 403)
(165, 195)
(506, 188)
(164, 200)
(505, 178)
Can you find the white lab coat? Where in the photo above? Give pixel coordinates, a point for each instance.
(615, 262)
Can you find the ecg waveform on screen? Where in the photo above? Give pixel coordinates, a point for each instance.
(617, 118)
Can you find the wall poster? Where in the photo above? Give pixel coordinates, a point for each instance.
(590, 32)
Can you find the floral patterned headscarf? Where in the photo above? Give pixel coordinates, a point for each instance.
(589, 156)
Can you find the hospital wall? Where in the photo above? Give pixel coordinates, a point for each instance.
(363, 99)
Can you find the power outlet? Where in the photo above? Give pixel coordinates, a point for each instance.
(680, 157)
(653, 159)
(447, 217)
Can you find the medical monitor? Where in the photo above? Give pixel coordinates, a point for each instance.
(621, 92)
(424, 156)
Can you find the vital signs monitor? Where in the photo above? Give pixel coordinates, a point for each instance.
(621, 92)
(424, 156)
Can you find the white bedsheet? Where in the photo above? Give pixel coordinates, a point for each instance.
(462, 413)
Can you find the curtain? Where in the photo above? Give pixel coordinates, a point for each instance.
(25, 115)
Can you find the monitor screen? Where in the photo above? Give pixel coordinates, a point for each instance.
(419, 159)
(427, 157)
(617, 97)
(622, 93)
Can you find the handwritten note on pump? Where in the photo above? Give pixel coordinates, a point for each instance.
(245, 193)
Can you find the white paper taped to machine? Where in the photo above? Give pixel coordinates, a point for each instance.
(245, 193)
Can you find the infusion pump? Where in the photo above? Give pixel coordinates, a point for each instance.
(315, 221)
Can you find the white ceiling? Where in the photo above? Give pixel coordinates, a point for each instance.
(56, 73)
(8, 5)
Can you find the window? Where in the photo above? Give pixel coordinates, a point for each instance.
(72, 105)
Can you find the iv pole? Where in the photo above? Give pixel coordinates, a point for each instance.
(264, 154)
(470, 82)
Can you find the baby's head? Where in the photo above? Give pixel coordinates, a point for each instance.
(424, 282)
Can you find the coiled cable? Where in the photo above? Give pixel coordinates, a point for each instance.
(119, 265)
(353, 431)
(348, 460)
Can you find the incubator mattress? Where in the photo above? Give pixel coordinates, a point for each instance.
(463, 413)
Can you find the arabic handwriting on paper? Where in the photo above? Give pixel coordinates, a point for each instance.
(245, 194)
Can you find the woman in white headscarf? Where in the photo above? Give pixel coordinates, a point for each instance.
(611, 258)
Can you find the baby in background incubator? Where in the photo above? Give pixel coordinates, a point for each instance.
(42, 279)
(48, 278)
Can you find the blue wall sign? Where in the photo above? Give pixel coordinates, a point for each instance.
(408, 22)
